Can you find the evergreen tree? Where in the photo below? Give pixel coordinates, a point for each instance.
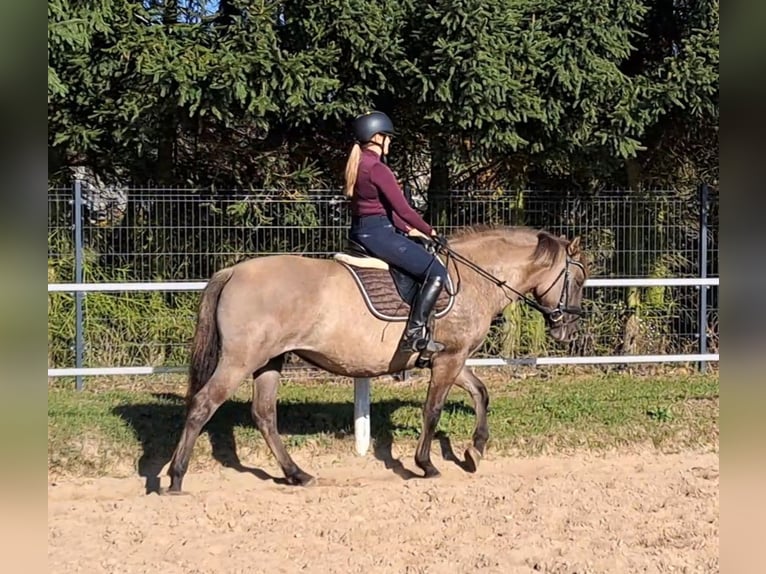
(512, 92)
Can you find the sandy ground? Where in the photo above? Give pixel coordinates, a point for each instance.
(638, 512)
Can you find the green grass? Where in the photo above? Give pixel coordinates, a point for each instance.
(121, 431)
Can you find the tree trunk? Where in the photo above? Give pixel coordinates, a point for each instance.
(439, 186)
(631, 336)
(167, 128)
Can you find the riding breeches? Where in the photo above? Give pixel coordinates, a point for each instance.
(378, 235)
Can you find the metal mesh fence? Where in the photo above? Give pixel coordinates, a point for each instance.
(183, 235)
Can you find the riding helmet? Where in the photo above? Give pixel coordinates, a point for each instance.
(371, 123)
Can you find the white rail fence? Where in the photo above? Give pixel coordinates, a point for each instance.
(362, 386)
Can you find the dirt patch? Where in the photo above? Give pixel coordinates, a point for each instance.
(639, 512)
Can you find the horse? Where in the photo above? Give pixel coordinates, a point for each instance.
(253, 313)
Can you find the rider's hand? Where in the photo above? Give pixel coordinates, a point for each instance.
(417, 233)
(440, 240)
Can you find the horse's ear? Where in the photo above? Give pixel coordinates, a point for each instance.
(573, 247)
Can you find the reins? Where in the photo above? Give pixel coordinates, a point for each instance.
(555, 314)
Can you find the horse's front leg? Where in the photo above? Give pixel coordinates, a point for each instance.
(443, 374)
(474, 386)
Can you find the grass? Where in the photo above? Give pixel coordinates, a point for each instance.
(120, 429)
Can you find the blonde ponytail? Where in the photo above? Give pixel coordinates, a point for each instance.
(352, 168)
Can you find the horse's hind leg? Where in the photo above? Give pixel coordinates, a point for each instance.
(264, 409)
(203, 405)
(469, 382)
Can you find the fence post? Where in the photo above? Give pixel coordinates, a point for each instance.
(362, 415)
(79, 339)
(703, 290)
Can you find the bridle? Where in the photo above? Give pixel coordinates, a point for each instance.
(553, 314)
(556, 314)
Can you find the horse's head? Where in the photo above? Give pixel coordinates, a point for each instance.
(553, 269)
(559, 286)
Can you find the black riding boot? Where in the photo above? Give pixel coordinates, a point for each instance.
(416, 338)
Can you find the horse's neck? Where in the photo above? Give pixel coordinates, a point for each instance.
(514, 268)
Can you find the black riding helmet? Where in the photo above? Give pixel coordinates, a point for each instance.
(371, 123)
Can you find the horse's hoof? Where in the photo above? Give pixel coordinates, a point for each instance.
(472, 459)
(172, 492)
(431, 472)
(301, 478)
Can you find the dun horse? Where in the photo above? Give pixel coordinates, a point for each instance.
(251, 314)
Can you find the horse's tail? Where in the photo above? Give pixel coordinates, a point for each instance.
(205, 351)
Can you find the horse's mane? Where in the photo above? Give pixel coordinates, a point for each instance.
(475, 229)
(548, 247)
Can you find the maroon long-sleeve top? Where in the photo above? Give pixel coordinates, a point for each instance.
(377, 193)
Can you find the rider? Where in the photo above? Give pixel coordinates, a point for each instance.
(381, 217)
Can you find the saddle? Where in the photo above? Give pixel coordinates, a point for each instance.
(387, 291)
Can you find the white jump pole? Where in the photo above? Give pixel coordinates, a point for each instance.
(362, 415)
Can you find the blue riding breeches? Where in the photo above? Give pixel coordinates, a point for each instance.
(378, 235)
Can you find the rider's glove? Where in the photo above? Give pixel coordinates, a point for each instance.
(440, 240)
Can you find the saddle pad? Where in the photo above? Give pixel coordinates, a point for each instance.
(383, 299)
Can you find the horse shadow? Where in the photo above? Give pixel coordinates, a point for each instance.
(158, 425)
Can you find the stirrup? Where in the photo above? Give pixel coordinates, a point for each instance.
(419, 344)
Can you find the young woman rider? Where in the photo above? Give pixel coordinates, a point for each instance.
(382, 219)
